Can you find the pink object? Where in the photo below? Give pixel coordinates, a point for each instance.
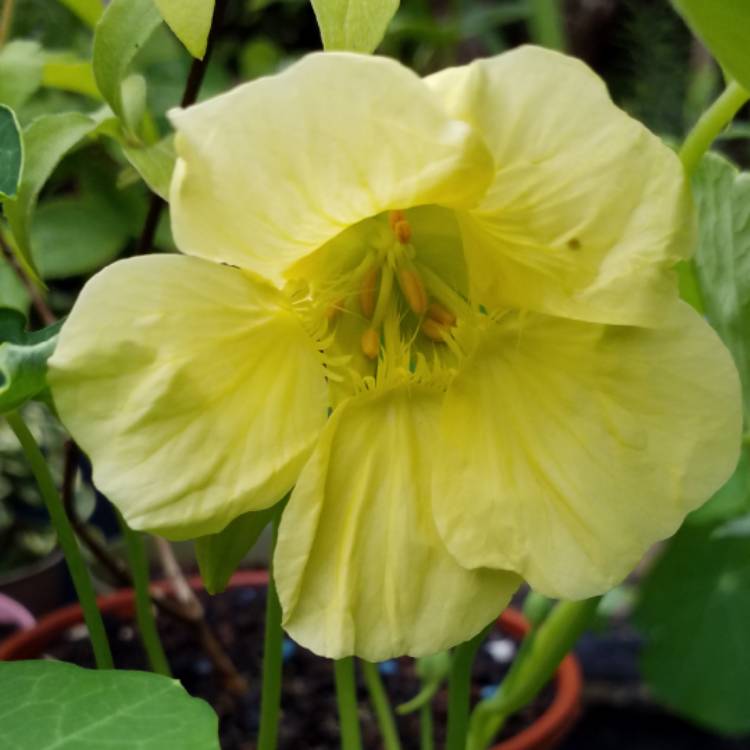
(13, 613)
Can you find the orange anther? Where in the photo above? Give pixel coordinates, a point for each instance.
(441, 314)
(402, 230)
(394, 217)
(413, 290)
(433, 330)
(367, 296)
(370, 343)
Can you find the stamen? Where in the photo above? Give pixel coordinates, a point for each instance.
(413, 290)
(384, 296)
(400, 226)
(441, 314)
(370, 343)
(434, 330)
(333, 311)
(367, 296)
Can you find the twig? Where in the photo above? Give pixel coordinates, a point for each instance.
(189, 96)
(192, 607)
(40, 305)
(6, 20)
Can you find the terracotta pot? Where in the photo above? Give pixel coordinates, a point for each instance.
(544, 734)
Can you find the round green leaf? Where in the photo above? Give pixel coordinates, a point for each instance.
(355, 25)
(724, 27)
(48, 704)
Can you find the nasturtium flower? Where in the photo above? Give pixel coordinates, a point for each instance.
(443, 310)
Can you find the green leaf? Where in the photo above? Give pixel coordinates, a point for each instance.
(78, 235)
(154, 164)
(694, 609)
(190, 20)
(23, 361)
(46, 141)
(220, 554)
(355, 25)
(48, 704)
(11, 153)
(89, 11)
(13, 293)
(724, 27)
(722, 260)
(120, 34)
(20, 72)
(66, 74)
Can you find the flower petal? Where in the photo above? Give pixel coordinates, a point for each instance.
(568, 448)
(192, 387)
(588, 211)
(274, 169)
(359, 566)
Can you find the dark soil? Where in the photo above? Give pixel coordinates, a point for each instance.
(309, 720)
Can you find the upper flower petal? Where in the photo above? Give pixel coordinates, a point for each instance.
(588, 210)
(568, 447)
(193, 388)
(271, 171)
(359, 566)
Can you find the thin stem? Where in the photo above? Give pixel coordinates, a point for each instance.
(546, 23)
(40, 305)
(346, 697)
(78, 571)
(426, 734)
(381, 704)
(6, 21)
(143, 606)
(539, 656)
(189, 96)
(270, 701)
(710, 125)
(459, 690)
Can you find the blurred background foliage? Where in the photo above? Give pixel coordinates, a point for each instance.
(691, 597)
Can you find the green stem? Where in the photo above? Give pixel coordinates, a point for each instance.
(710, 125)
(143, 606)
(546, 23)
(78, 571)
(426, 741)
(270, 701)
(459, 689)
(382, 707)
(540, 655)
(346, 697)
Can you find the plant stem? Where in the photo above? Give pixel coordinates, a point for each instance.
(6, 20)
(382, 707)
(78, 571)
(459, 688)
(546, 24)
(143, 606)
(270, 700)
(426, 741)
(539, 656)
(710, 125)
(346, 697)
(189, 96)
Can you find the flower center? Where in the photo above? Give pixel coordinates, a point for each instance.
(390, 290)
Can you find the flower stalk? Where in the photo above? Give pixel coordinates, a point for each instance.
(379, 699)
(144, 610)
(346, 698)
(78, 571)
(710, 125)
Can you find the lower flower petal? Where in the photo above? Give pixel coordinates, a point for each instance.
(359, 566)
(193, 388)
(568, 448)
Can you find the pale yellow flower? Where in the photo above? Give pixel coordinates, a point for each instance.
(443, 310)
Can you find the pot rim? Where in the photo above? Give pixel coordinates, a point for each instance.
(547, 728)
